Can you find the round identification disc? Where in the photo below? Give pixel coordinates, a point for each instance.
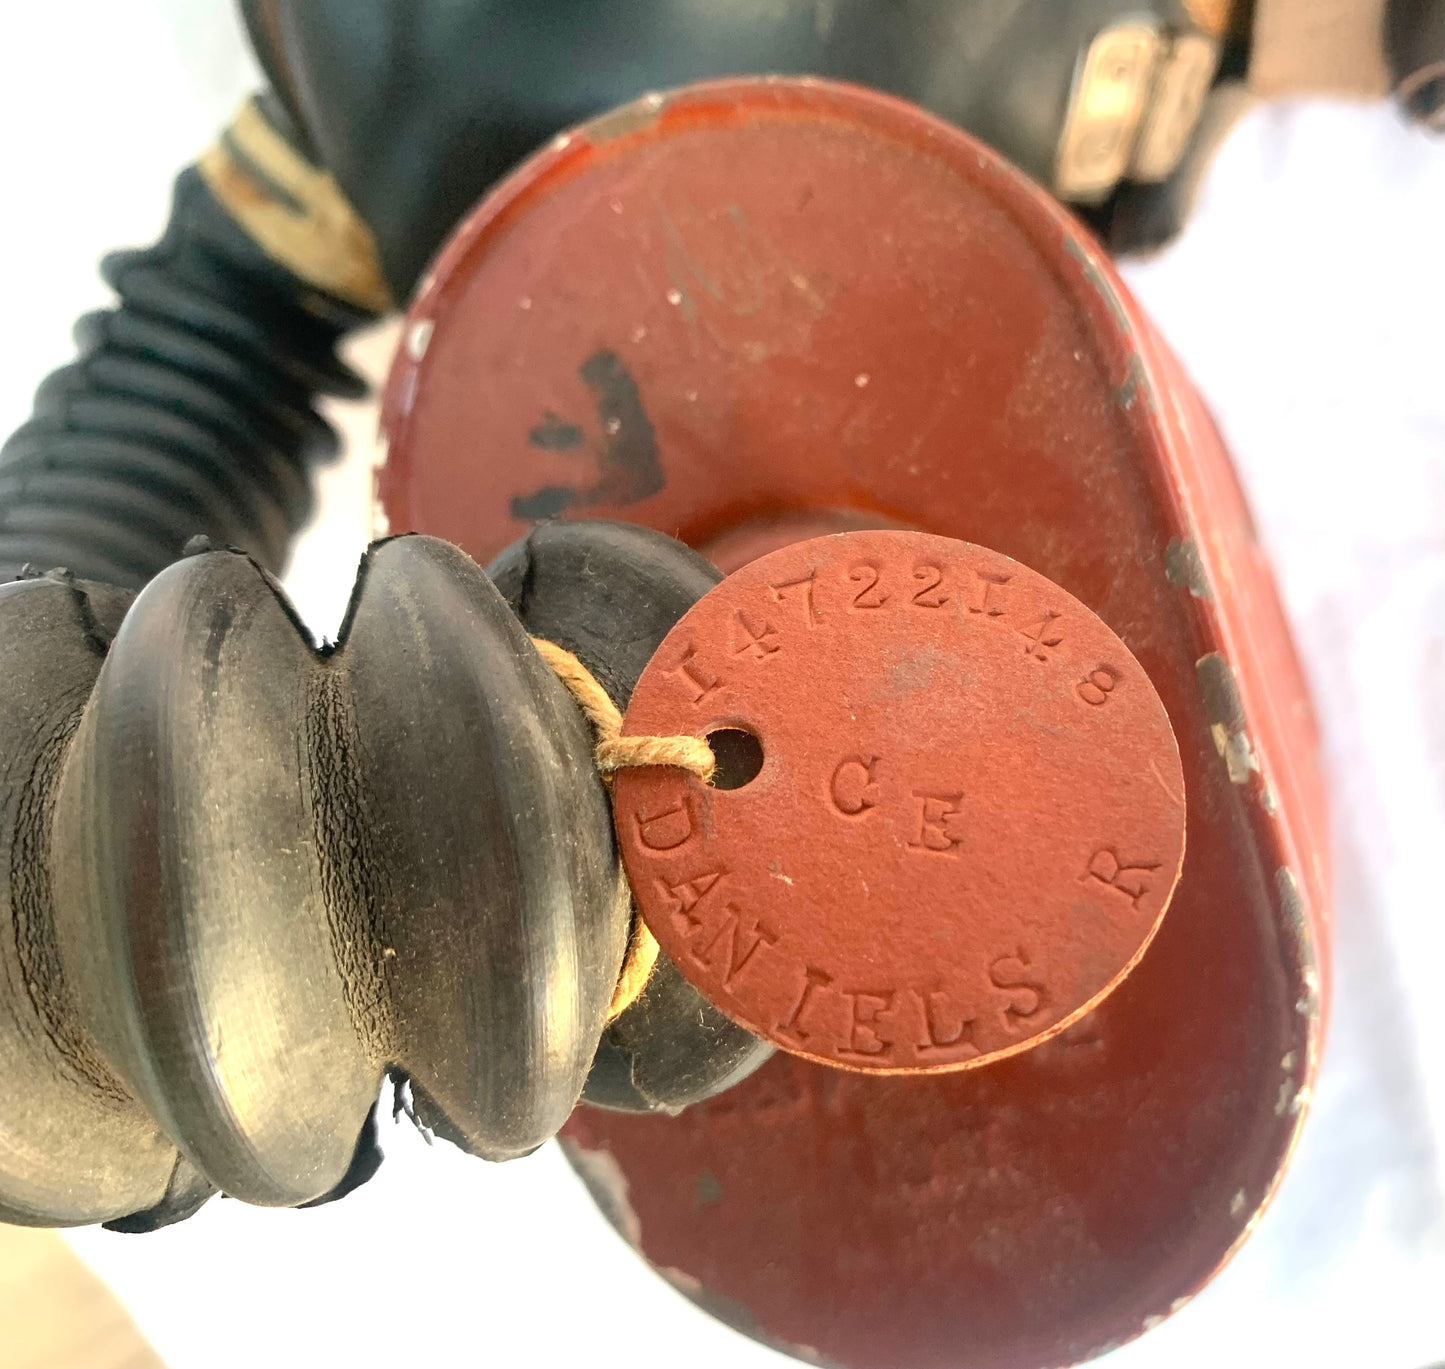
(968, 820)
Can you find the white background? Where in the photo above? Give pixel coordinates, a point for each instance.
(1308, 299)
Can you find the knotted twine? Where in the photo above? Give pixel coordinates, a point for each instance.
(615, 752)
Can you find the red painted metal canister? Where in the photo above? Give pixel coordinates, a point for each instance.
(759, 310)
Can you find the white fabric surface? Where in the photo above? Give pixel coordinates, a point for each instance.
(1307, 297)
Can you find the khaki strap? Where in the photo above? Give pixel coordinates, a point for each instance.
(1319, 47)
(294, 212)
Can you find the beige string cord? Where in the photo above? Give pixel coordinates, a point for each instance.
(615, 752)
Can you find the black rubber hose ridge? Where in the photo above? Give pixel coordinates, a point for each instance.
(188, 411)
(243, 877)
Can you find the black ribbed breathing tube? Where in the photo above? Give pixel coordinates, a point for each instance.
(188, 411)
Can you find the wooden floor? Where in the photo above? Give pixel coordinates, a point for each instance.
(55, 1314)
